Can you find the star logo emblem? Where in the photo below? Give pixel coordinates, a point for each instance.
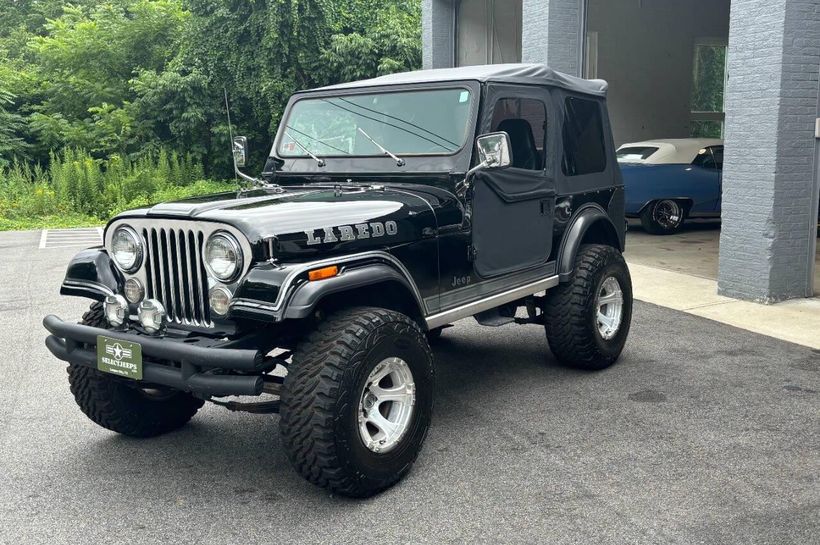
(118, 351)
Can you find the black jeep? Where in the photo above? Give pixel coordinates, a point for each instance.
(387, 210)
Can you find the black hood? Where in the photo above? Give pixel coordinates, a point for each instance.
(298, 216)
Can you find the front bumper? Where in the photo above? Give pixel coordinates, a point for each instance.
(201, 369)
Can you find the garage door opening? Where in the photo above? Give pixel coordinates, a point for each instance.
(665, 61)
(488, 32)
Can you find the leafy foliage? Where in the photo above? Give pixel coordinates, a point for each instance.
(76, 185)
(126, 81)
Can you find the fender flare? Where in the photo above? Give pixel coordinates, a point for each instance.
(93, 275)
(308, 295)
(584, 219)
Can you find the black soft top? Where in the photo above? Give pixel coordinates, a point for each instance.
(527, 74)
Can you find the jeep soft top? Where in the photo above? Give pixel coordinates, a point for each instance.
(388, 209)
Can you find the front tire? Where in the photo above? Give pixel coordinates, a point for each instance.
(357, 401)
(588, 318)
(664, 217)
(121, 405)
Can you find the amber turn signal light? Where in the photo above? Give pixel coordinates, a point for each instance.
(324, 272)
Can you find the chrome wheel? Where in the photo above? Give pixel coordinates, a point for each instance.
(386, 405)
(610, 306)
(668, 214)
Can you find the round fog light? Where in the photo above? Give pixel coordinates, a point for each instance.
(220, 299)
(116, 309)
(134, 291)
(151, 315)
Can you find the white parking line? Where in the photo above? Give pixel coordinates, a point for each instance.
(70, 238)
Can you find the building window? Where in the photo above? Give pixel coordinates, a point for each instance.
(708, 86)
(488, 31)
(525, 121)
(583, 134)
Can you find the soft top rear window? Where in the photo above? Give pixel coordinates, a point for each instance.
(635, 154)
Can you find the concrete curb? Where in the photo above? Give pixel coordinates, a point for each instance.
(796, 321)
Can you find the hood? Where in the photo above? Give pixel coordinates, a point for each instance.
(316, 219)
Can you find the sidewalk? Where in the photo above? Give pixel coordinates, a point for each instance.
(796, 321)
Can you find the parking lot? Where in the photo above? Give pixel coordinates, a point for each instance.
(703, 433)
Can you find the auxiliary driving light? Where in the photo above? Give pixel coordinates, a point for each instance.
(220, 300)
(116, 309)
(134, 291)
(151, 315)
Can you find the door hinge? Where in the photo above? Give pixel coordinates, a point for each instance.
(471, 253)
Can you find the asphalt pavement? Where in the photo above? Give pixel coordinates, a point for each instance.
(702, 433)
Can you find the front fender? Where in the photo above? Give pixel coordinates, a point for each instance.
(272, 292)
(92, 274)
(308, 295)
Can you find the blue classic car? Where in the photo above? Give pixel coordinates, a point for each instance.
(668, 181)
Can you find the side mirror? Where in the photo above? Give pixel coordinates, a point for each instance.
(494, 150)
(240, 151)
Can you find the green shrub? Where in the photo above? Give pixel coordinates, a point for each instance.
(79, 189)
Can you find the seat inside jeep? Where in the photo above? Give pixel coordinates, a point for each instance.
(522, 142)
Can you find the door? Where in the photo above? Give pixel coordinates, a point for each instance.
(512, 207)
(708, 177)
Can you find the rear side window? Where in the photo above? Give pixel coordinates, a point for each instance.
(711, 157)
(584, 151)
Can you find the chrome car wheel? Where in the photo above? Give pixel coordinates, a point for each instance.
(386, 405)
(668, 214)
(610, 307)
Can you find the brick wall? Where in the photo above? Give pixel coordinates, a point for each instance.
(437, 33)
(551, 34)
(771, 105)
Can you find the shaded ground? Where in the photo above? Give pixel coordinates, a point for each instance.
(702, 433)
(692, 251)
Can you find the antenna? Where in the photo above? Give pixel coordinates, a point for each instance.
(230, 130)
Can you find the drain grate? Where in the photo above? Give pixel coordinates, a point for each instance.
(71, 238)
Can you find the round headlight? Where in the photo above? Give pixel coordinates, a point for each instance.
(126, 248)
(223, 256)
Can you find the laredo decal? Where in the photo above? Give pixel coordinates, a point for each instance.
(344, 233)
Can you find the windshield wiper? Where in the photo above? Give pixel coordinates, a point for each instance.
(399, 160)
(320, 162)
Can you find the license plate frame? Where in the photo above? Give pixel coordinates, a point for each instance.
(119, 357)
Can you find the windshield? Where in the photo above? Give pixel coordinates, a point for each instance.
(636, 154)
(429, 122)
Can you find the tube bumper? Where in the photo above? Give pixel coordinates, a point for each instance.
(76, 344)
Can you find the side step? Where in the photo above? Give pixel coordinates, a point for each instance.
(493, 318)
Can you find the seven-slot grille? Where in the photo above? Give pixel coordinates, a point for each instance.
(175, 274)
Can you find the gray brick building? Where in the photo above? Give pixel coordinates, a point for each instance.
(651, 52)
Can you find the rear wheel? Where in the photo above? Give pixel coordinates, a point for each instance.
(588, 318)
(663, 217)
(357, 401)
(125, 406)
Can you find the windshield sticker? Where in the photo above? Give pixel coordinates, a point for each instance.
(464, 96)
